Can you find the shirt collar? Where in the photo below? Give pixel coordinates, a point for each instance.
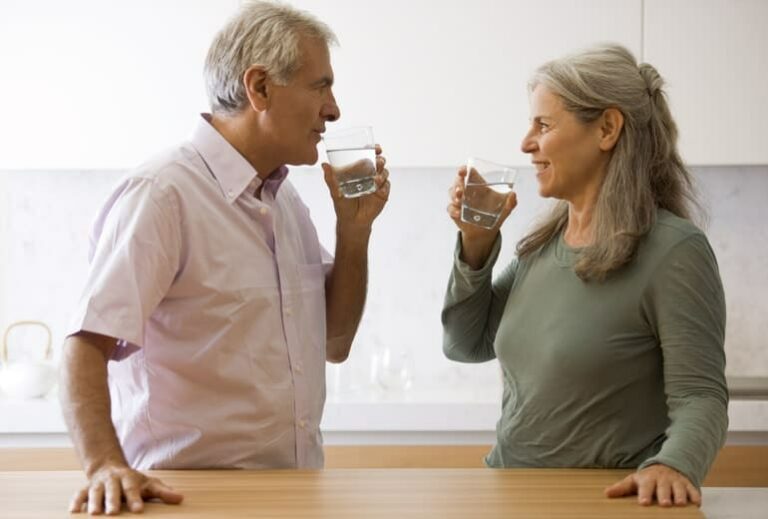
(231, 170)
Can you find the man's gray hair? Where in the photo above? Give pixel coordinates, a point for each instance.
(261, 33)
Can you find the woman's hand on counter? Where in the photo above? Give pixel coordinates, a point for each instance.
(669, 487)
(109, 486)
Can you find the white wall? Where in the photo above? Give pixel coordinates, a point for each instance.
(101, 83)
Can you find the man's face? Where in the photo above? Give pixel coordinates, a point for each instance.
(299, 110)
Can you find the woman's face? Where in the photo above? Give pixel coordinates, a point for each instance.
(565, 152)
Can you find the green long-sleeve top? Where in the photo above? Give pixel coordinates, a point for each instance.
(622, 373)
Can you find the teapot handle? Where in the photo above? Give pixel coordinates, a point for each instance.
(4, 345)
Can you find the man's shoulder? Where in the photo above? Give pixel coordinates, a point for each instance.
(171, 167)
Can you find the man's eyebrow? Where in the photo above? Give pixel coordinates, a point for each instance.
(323, 81)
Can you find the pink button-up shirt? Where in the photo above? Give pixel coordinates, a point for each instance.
(218, 301)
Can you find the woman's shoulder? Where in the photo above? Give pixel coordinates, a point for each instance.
(670, 230)
(675, 236)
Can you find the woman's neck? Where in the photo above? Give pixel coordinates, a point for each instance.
(579, 231)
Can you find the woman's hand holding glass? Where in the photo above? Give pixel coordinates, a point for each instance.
(476, 241)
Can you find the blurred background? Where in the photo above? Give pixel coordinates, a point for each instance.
(92, 88)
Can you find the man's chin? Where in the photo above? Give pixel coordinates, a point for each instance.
(310, 159)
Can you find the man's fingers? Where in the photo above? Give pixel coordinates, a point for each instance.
(96, 499)
(113, 496)
(381, 160)
(381, 177)
(132, 492)
(377, 147)
(78, 500)
(330, 180)
(625, 487)
(511, 202)
(158, 489)
(384, 190)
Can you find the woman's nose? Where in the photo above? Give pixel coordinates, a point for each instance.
(529, 144)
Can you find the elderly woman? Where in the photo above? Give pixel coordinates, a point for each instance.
(609, 323)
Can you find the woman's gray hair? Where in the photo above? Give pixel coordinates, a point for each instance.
(261, 33)
(645, 172)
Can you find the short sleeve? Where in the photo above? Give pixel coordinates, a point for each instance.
(135, 255)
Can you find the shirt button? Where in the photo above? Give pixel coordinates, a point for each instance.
(299, 369)
(302, 424)
(263, 211)
(230, 193)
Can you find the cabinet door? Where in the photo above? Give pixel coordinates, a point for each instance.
(95, 84)
(443, 79)
(714, 55)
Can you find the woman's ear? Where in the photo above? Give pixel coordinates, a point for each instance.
(611, 123)
(255, 82)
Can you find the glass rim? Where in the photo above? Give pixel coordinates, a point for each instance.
(474, 161)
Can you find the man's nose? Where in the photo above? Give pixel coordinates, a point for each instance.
(331, 111)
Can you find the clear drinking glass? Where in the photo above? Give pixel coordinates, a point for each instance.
(352, 153)
(485, 192)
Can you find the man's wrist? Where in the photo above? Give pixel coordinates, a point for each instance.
(351, 233)
(91, 467)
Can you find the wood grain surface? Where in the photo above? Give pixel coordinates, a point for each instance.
(355, 493)
(735, 466)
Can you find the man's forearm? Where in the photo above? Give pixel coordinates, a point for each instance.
(85, 402)
(345, 291)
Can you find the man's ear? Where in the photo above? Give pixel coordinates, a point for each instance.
(611, 123)
(256, 88)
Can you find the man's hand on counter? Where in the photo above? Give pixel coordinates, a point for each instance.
(109, 486)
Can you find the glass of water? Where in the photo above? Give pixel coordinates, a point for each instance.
(485, 192)
(352, 153)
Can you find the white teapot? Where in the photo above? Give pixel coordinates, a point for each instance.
(23, 378)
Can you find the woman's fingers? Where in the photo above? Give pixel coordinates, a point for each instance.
(664, 492)
(625, 487)
(693, 493)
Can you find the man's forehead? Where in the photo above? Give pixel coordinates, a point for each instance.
(315, 58)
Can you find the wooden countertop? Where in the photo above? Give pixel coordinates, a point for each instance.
(355, 493)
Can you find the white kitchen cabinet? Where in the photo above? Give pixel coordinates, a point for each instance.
(443, 79)
(714, 55)
(90, 84)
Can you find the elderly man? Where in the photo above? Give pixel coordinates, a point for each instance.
(208, 287)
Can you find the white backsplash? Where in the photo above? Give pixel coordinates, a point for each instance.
(45, 219)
